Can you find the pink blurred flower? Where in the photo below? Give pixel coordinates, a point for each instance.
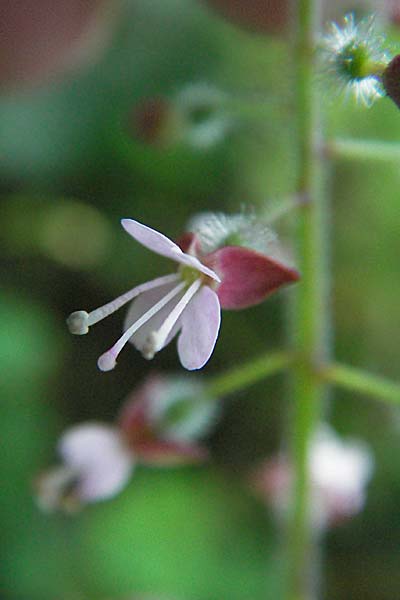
(339, 470)
(188, 302)
(41, 38)
(159, 424)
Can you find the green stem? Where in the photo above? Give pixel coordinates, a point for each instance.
(356, 380)
(310, 318)
(363, 150)
(238, 378)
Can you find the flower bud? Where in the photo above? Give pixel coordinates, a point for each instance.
(391, 80)
(354, 57)
(262, 16)
(195, 116)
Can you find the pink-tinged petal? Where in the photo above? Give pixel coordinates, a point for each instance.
(100, 458)
(167, 453)
(160, 244)
(151, 239)
(142, 304)
(200, 326)
(247, 276)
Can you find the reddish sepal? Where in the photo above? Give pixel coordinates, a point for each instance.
(247, 276)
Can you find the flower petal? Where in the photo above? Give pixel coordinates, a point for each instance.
(200, 326)
(99, 457)
(142, 304)
(247, 276)
(159, 243)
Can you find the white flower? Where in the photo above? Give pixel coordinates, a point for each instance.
(339, 474)
(96, 465)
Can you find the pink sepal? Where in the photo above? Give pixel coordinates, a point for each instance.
(134, 418)
(166, 453)
(247, 276)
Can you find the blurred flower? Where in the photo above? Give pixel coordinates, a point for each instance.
(263, 16)
(196, 116)
(339, 472)
(212, 274)
(159, 425)
(353, 57)
(391, 80)
(40, 38)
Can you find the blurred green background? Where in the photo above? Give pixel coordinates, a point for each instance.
(70, 168)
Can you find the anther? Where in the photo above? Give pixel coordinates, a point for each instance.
(77, 322)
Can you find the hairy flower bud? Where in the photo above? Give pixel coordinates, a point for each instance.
(354, 57)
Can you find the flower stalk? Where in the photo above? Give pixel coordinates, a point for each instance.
(356, 380)
(250, 373)
(309, 313)
(363, 150)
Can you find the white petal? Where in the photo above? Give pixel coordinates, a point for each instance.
(200, 326)
(159, 243)
(97, 453)
(141, 305)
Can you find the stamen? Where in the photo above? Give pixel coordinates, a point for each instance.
(157, 339)
(107, 361)
(79, 322)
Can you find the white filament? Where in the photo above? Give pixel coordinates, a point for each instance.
(100, 313)
(157, 339)
(107, 361)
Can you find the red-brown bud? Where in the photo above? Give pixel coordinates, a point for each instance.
(149, 120)
(391, 80)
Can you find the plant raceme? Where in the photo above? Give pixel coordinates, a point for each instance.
(220, 265)
(159, 424)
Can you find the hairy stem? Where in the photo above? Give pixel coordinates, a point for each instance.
(309, 317)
